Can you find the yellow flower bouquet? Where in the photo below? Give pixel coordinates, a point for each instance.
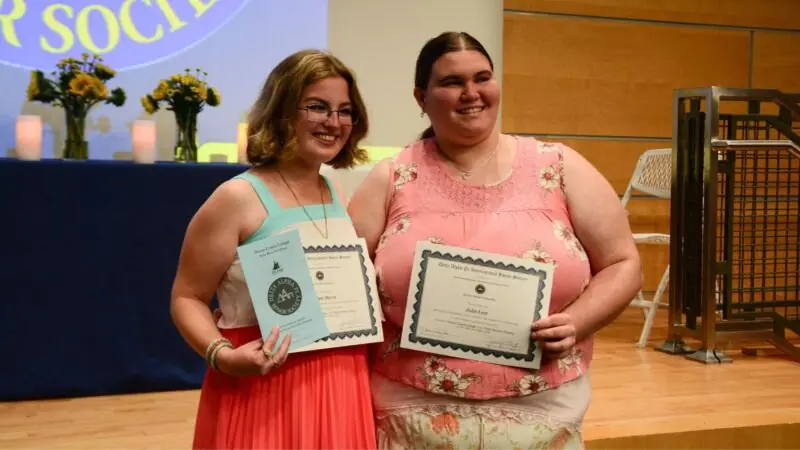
(185, 95)
(76, 86)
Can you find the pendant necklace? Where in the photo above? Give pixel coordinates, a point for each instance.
(465, 174)
(321, 200)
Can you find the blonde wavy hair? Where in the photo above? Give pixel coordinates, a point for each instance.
(271, 138)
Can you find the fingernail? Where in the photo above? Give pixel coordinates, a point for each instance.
(275, 329)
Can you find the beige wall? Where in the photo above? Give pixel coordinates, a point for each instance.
(380, 40)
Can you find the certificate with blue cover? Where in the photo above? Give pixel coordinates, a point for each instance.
(476, 305)
(282, 290)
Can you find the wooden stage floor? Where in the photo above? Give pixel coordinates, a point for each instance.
(641, 399)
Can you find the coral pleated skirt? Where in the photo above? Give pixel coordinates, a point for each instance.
(316, 400)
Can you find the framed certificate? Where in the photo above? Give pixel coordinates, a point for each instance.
(344, 280)
(476, 305)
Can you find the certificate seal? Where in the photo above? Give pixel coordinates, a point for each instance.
(284, 296)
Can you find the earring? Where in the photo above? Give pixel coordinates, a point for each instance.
(422, 114)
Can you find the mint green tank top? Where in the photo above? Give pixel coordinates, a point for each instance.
(280, 218)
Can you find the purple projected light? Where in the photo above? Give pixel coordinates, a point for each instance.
(126, 33)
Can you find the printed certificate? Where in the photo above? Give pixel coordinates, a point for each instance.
(281, 288)
(344, 280)
(476, 305)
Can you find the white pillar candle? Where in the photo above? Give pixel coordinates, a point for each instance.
(143, 141)
(241, 143)
(29, 138)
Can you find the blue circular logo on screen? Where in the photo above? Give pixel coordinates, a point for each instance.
(125, 33)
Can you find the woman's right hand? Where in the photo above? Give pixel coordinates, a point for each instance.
(251, 358)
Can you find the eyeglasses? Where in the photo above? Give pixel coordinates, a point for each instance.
(321, 113)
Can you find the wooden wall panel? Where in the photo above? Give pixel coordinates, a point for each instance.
(584, 68)
(587, 77)
(784, 14)
(776, 61)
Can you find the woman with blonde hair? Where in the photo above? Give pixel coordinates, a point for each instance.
(464, 184)
(256, 395)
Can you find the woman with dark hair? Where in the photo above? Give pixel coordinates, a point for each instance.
(465, 184)
(255, 395)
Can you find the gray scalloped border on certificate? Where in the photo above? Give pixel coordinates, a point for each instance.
(373, 331)
(426, 254)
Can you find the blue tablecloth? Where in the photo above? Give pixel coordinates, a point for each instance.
(89, 251)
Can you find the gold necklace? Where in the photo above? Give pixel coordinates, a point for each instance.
(321, 200)
(465, 174)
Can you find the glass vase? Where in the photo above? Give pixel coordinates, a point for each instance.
(186, 137)
(75, 145)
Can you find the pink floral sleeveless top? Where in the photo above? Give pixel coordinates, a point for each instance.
(525, 216)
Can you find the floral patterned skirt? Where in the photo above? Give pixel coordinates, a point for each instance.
(409, 418)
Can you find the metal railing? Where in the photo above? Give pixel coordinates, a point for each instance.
(735, 213)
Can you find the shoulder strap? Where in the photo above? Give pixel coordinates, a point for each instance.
(266, 197)
(334, 193)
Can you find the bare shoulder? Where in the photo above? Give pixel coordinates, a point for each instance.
(580, 174)
(211, 239)
(367, 209)
(380, 172)
(376, 184)
(231, 195)
(573, 160)
(583, 182)
(595, 209)
(232, 203)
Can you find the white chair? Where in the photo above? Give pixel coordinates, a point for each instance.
(652, 176)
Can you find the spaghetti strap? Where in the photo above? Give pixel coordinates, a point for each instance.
(266, 197)
(335, 201)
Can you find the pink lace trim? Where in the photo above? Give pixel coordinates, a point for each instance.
(421, 165)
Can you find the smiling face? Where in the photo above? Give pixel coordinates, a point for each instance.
(309, 109)
(324, 120)
(462, 96)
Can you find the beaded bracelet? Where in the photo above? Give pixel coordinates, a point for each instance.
(213, 360)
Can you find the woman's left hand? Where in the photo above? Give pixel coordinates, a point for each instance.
(556, 333)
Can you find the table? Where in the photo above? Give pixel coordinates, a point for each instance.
(89, 251)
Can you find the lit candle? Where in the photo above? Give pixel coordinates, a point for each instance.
(143, 141)
(241, 142)
(29, 138)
